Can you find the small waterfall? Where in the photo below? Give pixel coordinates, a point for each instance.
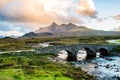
(63, 54)
(97, 55)
(81, 55)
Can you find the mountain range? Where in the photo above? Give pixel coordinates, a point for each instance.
(55, 30)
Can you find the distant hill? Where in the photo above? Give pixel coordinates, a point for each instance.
(9, 36)
(30, 34)
(55, 30)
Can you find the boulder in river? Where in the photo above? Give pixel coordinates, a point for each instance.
(107, 66)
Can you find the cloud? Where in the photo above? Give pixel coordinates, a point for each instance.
(38, 11)
(117, 17)
(28, 15)
(4, 2)
(86, 8)
(11, 33)
(45, 11)
(106, 24)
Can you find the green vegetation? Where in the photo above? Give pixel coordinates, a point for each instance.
(27, 43)
(31, 66)
(12, 44)
(118, 40)
(18, 44)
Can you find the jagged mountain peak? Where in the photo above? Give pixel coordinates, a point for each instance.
(70, 29)
(71, 24)
(55, 28)
(54, 24)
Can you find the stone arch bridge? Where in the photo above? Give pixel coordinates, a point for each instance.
(91, 49)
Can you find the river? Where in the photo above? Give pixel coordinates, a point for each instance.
(104, 68)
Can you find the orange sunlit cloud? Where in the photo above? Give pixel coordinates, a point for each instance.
(86, 7)
(46, 11)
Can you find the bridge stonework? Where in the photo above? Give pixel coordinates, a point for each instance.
(75, 48)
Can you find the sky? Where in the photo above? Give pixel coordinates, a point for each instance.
(18, 17)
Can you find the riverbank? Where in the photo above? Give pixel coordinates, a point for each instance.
(33, 66)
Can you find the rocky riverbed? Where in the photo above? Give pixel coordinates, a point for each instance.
(106, 68)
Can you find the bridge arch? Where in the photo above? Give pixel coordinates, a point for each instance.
(71, 56)
(103, 52)
(90, 53)
(66, 55)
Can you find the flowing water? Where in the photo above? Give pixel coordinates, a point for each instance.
(106, 68)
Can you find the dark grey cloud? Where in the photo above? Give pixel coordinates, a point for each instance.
(11, 18)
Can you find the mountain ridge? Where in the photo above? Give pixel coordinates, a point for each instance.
(55, 30)
(61, 28)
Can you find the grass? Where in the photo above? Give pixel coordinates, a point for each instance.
(32, 66)
(26, 43)
(118, 41)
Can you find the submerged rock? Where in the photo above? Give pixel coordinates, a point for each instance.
(117, 70)
(116, 77)
(109, 59)
(107, 66)
(96, 66)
